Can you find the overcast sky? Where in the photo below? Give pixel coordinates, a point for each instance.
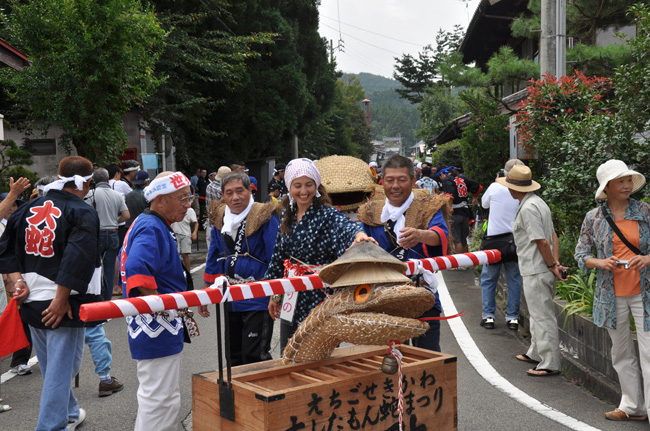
(374, 32)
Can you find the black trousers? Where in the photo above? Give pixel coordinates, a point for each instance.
(20, 357)
(430, 340)
(250, 336)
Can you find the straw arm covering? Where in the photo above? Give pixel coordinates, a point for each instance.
(154, 303)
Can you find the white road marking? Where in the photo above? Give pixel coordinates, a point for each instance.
(9, 375)
(198, 268)
(483, 367)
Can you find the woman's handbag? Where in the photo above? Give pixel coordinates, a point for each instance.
(505, 243)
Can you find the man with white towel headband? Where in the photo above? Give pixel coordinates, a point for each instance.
(150, 265)
(50, 251)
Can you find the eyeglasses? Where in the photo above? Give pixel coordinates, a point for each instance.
(186, 200)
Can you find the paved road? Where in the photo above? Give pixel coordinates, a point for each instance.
(481, 406)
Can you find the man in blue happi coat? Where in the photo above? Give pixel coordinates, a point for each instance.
(243, 237)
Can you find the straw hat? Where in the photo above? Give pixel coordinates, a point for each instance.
(343, 174)
(365, 273)
(223, 170)
(612, 169)
(512, 162)
(364, 252)
(519, 179)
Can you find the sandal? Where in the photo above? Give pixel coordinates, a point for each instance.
(542, 372)
(620, 415)
(525, 358)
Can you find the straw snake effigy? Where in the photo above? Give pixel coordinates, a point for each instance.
(372, 314)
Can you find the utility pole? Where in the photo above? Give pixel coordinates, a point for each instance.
(560, 38)
(552, 43)
(547, 59)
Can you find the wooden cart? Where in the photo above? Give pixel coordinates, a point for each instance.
(345, 392)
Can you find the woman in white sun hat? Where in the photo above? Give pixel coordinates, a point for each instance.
(623, 280)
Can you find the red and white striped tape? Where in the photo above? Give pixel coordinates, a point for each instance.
(257, 289)
(462, 260)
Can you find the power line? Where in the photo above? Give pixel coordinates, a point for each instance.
(370, 61)
(372, 32)
(363, 41)
(364, 63)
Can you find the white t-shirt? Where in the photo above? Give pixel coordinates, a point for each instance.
(503, 209)
(183, 227)
(120, 186)
(123, 188)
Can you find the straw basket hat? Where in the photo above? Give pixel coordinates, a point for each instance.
(519, 179)
(612, 169)
(376, 268)
(344, 174)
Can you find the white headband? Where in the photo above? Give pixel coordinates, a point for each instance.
(301, 168)
(165, 185)
(135, 168)
(58, 184)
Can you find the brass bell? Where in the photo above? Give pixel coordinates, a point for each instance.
(389, 365)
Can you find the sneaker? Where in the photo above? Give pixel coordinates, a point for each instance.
(513, 324)
(21, 370)
(488, 323)
(109, 388)
(72, 425)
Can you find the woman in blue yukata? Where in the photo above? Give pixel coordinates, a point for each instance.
(615, 240)
(312, 234)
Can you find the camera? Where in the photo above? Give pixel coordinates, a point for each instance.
(624, 263)
(501, 173)
(564, 273)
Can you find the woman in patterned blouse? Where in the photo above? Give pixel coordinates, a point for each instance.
(623, 281)
(312, 233)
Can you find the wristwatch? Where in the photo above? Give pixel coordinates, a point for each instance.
(276, 298)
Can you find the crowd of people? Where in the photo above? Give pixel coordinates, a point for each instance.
(142, 231)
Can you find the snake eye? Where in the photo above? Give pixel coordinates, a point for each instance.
(361, 293)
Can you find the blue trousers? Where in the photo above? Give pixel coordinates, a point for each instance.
(109, 244)
(59, 353)
(489, 279)
(100, 350)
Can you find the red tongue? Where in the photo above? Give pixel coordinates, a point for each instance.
(462, 313)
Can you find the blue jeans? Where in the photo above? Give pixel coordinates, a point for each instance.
(489, 279)
(109, 244)
(59, 353)
(100, 350)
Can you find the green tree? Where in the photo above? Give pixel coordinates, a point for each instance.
(199, 56)
(416, 74)
(632, 80)
(450, 154)
(285, 93)
(13, 160)
(438, 107)
(485, 143)
(344, 130)
(570, 123)
(92, 62)
(584, 19)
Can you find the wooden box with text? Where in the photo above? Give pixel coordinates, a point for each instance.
(345, 392)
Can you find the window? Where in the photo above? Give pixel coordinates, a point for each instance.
(41, 147)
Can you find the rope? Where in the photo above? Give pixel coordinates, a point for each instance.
(461, 314)
(393, 351)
